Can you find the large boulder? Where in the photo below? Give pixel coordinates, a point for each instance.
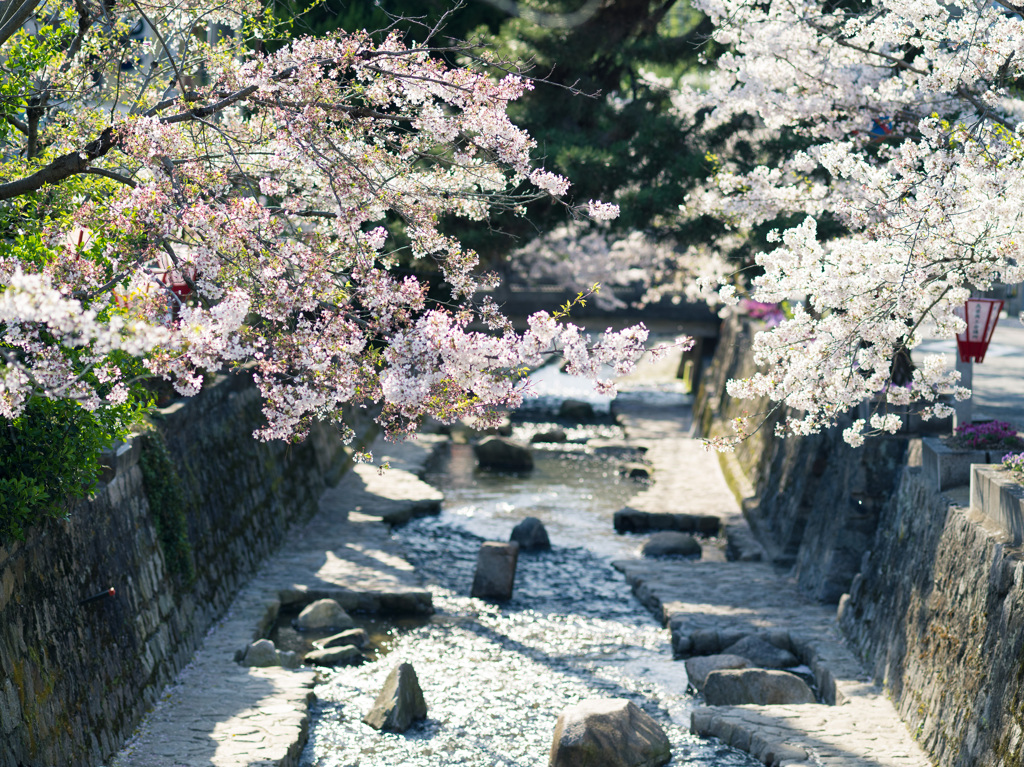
(755, 686)
(495, 571)
(502, 454)
(400, 703)
(608, 733)
(531, 535)
(323, 614)
(576, 410)
(762, 653)
(697, 669)
(671, 544)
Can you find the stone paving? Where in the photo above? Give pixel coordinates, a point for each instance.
(717, 595)
(221, 714)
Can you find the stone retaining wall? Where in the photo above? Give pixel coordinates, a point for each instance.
(936, 590)
(76, 678)
(813, 502)
(938, 613)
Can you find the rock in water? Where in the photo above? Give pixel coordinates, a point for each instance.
(635, 470)
(531, 535)
(576, 410)
(495, 571)
(756, 686)
(762, 653)
(608, 733)
(697, 669)
(554, 435)
(503, 454)
(399, 703)
(672, 544)
(355, 637)
(323, 614)
(344, 655)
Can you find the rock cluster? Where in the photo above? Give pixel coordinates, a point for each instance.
(262, 654)
(734, 668)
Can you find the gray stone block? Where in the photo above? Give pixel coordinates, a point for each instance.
(943, 467)
(996, 494)
(495, 571)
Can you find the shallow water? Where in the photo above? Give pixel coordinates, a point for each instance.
(494, 677)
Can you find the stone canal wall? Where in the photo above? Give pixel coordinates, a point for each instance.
(77, 677)
(938, 614)
(785, 485)
(936, 591)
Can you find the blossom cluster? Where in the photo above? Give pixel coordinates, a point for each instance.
(244, 216)
(918, 158)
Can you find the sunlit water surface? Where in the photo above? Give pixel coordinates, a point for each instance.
(494, 677)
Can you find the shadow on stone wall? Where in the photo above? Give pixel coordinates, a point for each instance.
(813, 502)
(938, 611)
(76, 678)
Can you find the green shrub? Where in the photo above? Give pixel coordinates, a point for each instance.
(167, 504)
(49, 457)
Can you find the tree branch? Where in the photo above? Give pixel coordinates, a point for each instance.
(63, 167)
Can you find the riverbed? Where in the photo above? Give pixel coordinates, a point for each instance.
(495, 677)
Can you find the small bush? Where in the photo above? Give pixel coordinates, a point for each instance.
(49, 457)
(991, 435)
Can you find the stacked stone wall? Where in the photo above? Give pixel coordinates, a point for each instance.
(936, 591)
(77, 677)
(813, 501)
(938, 615)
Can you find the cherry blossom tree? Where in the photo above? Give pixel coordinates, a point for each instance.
(177, 197)
(910, 116)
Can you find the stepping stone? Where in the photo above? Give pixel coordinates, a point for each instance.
(630, 520)
(755, 686)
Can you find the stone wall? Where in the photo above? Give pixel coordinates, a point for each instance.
(938, 614)
(77, 677)
(813, 502)
(936, 590)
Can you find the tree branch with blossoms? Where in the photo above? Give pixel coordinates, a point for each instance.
(911, 152)
(247, 210)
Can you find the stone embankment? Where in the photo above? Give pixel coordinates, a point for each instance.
(700, 600)
(223, 714)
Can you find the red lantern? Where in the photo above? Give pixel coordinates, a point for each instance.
(176, 282)
(981, 315)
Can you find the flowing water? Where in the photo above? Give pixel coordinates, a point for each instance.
(495, 677)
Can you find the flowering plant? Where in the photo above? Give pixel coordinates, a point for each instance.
(233, 207)
(1015, 463)
(919, 210)
(988, 435)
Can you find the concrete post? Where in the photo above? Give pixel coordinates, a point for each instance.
(963, 410)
